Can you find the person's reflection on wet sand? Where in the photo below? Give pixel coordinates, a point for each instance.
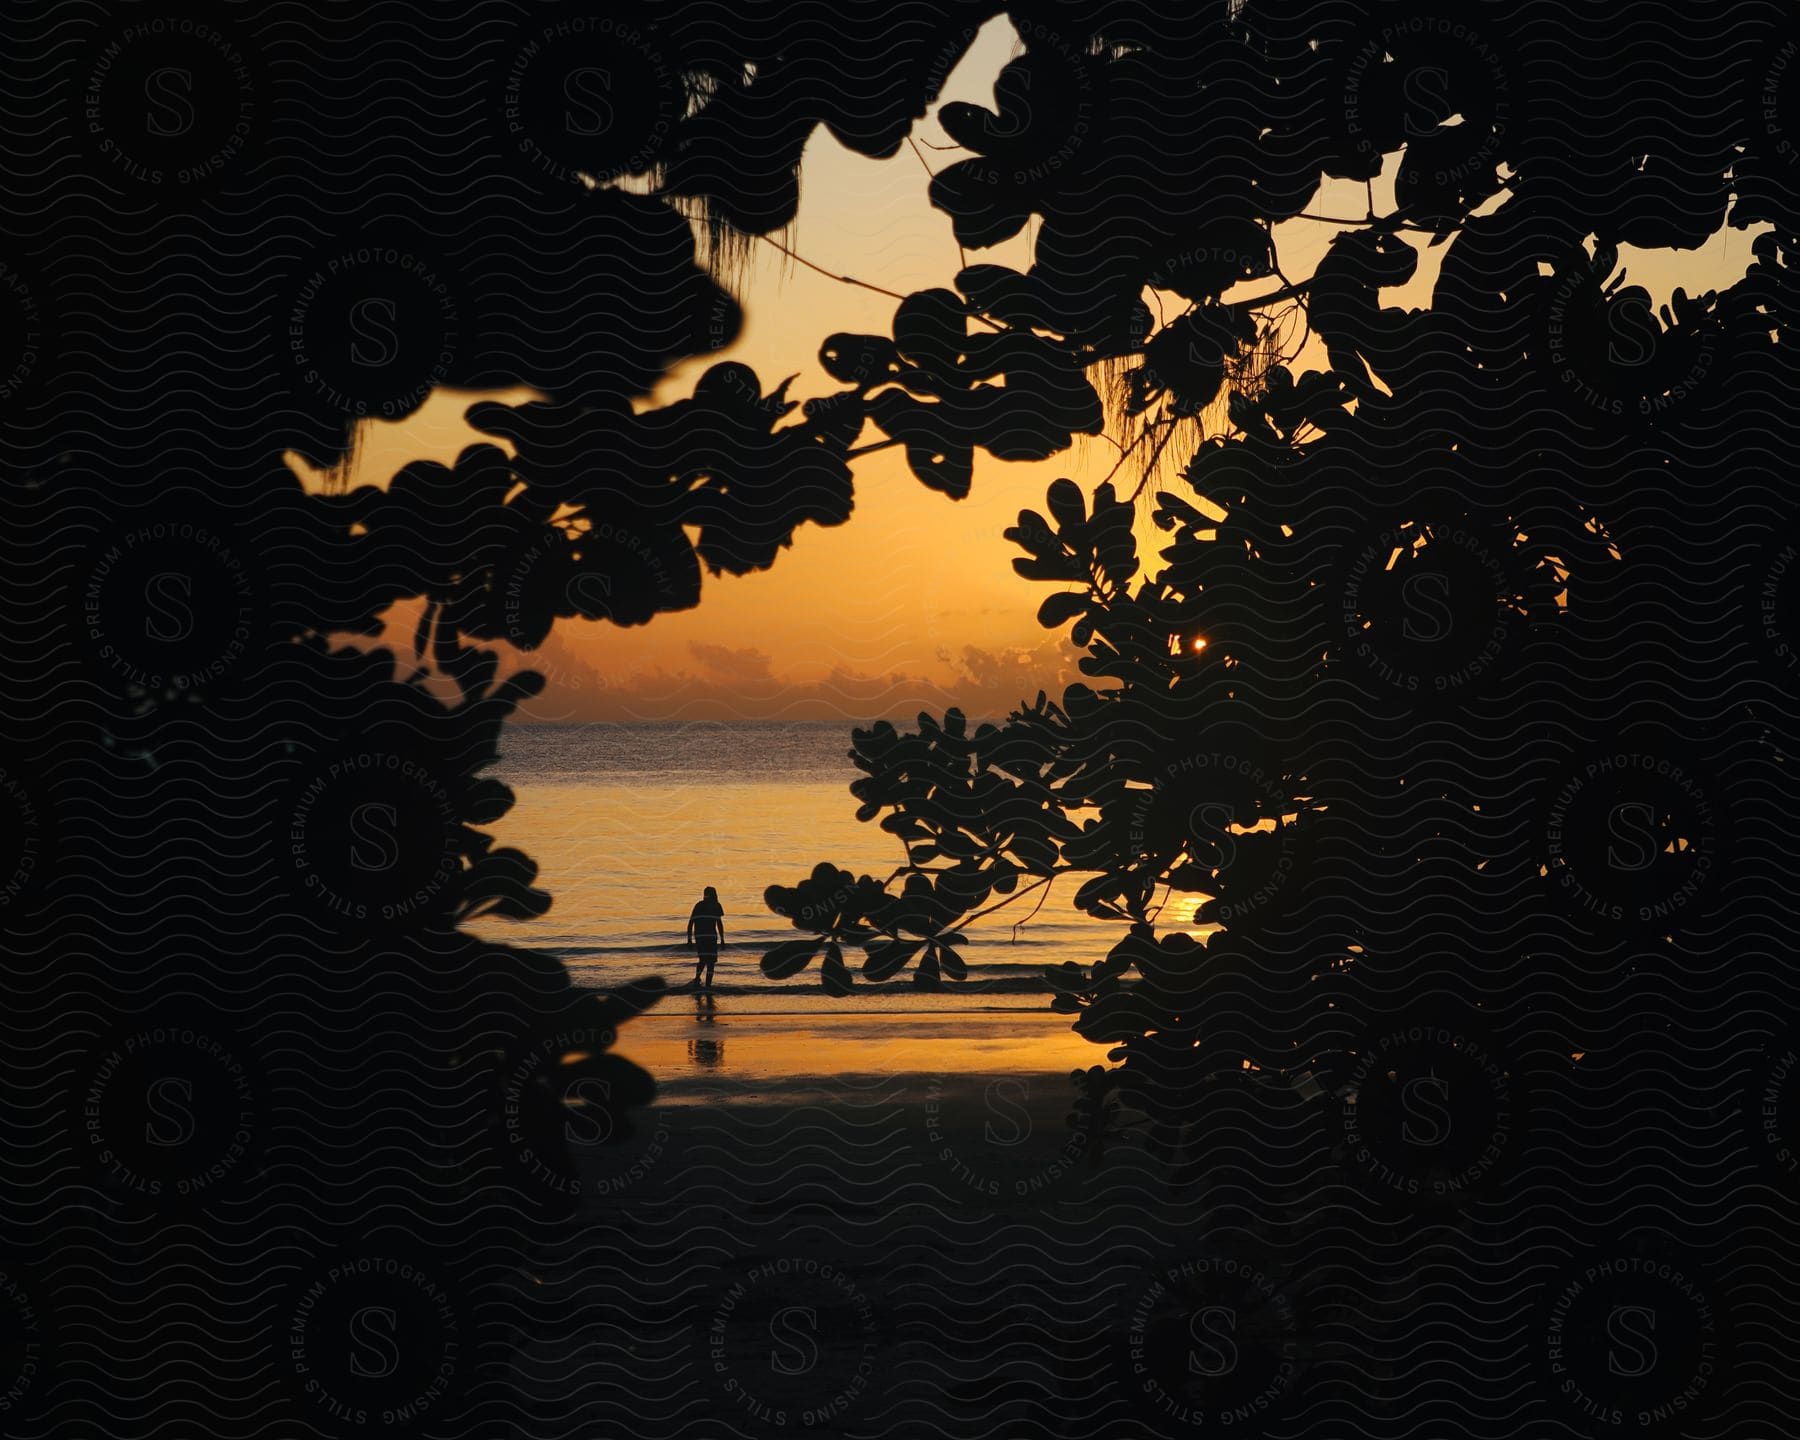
(709, 1051)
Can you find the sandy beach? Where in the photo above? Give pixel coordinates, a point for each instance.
(839, 1217)
(803, 1247)
(729, 1052)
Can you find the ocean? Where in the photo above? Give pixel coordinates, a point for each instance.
(629, 822)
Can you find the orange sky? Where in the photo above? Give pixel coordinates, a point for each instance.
(913, 602)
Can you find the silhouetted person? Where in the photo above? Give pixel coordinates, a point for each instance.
(706, 932)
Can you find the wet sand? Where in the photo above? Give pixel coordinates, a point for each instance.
(820, 1223)
(723, 1052)
(873, 1224)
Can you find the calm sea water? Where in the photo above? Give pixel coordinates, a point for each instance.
(629, 822)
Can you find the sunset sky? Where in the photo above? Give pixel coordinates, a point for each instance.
(913, 602)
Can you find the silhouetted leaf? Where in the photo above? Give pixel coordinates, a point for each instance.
(889, 957)
(788, 958)
(1068, 506)
(1060, 608)
(861, 360)
(834, 975)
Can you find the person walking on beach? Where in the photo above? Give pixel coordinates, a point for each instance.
(705, 933)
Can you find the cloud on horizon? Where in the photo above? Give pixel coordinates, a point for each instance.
(747, 663)
(741, 684)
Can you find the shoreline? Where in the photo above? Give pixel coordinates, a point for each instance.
(688, 1044)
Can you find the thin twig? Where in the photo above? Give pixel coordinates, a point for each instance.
(1125, 453)
(1019, 925)
(1017, 895)
(1274, 297)
(800, 259)
(1391, 222)
(961, 255)
(871, 448)
(1281, 275)
(1150, 464)
(821, 270)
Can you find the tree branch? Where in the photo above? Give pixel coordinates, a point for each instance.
(821, 270)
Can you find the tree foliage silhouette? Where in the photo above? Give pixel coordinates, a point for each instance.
(1438, 706)
(265, 1079)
